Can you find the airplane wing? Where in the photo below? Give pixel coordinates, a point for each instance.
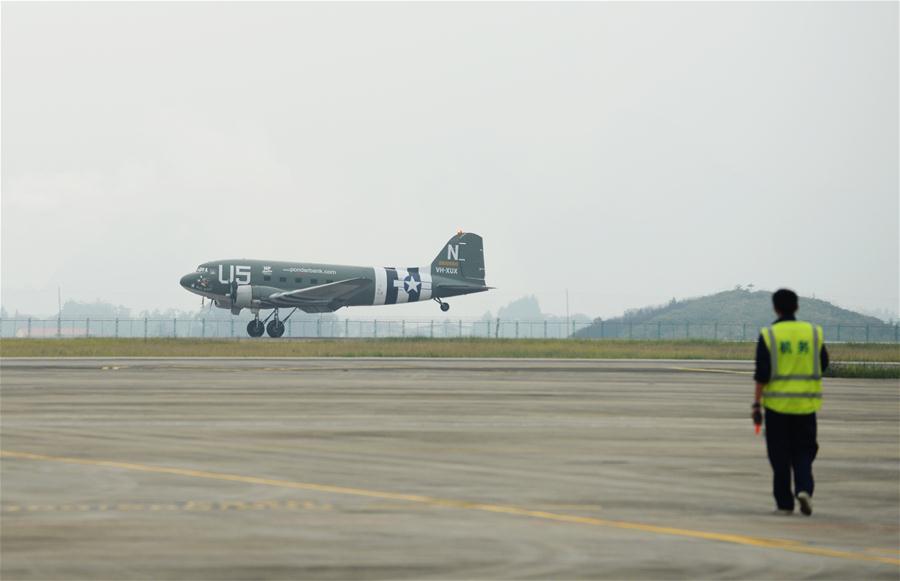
(322, 298)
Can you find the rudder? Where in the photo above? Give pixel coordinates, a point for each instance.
(462, 257)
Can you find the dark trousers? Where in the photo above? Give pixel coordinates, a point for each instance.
(792, 446)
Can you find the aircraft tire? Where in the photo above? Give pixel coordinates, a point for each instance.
(445, 307)
(275, 329)
(255, 328)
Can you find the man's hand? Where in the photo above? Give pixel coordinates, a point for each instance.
(757, 414)
(757, 410)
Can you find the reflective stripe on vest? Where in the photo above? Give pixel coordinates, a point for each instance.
(773, 351)
(817, 357)
(795, 382)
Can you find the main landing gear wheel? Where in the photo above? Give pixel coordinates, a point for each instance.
(255, 328)
(275, 328)
(445, 307)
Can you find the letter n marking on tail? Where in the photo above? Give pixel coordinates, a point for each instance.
(453, 252)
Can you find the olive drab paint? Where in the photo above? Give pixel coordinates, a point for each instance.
(320, 288)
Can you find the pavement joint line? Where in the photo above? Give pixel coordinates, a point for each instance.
(761, 542)
(292, 505)
(405, 359)
(704, 370)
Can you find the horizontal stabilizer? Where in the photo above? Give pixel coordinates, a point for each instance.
(462, 288)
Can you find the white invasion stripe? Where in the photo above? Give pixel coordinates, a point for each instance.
(380, 275)
(425, 275)
(402, 295)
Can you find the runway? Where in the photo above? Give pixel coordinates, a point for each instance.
(428, 468)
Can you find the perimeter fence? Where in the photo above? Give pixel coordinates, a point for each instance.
(331, 327)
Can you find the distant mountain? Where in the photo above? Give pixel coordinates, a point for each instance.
(523, 318)
(523, 309)
(733, 314)
(528, 308)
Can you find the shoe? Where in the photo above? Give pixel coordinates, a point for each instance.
(783, 512)
(805, 501)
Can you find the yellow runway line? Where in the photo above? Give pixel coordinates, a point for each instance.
(780, 544)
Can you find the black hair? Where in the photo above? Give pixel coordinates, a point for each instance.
(785, 301)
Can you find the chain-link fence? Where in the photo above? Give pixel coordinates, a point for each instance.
(301, 328)
(332, 327)
(728, 331)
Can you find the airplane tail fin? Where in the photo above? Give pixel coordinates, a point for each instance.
(462, 257)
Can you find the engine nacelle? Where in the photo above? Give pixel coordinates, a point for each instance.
(243, 297)
(248, 296)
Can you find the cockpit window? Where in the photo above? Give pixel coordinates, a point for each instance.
(202, 269)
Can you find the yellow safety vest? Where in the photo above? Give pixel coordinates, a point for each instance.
(795, 386)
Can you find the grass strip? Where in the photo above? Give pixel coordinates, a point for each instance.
(863, 371)
(419, 347)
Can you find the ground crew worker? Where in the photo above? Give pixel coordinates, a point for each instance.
(790, 359)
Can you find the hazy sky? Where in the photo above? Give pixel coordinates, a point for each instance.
(630, 153)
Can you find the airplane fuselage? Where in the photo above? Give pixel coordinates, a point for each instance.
(390, 286)
(238, 284)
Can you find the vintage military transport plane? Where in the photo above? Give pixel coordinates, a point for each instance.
(323, 288)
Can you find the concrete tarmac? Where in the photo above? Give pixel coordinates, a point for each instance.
(396, 468)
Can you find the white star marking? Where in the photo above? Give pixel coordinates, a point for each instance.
(411, 285)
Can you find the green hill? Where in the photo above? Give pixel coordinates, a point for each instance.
(735, 314)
